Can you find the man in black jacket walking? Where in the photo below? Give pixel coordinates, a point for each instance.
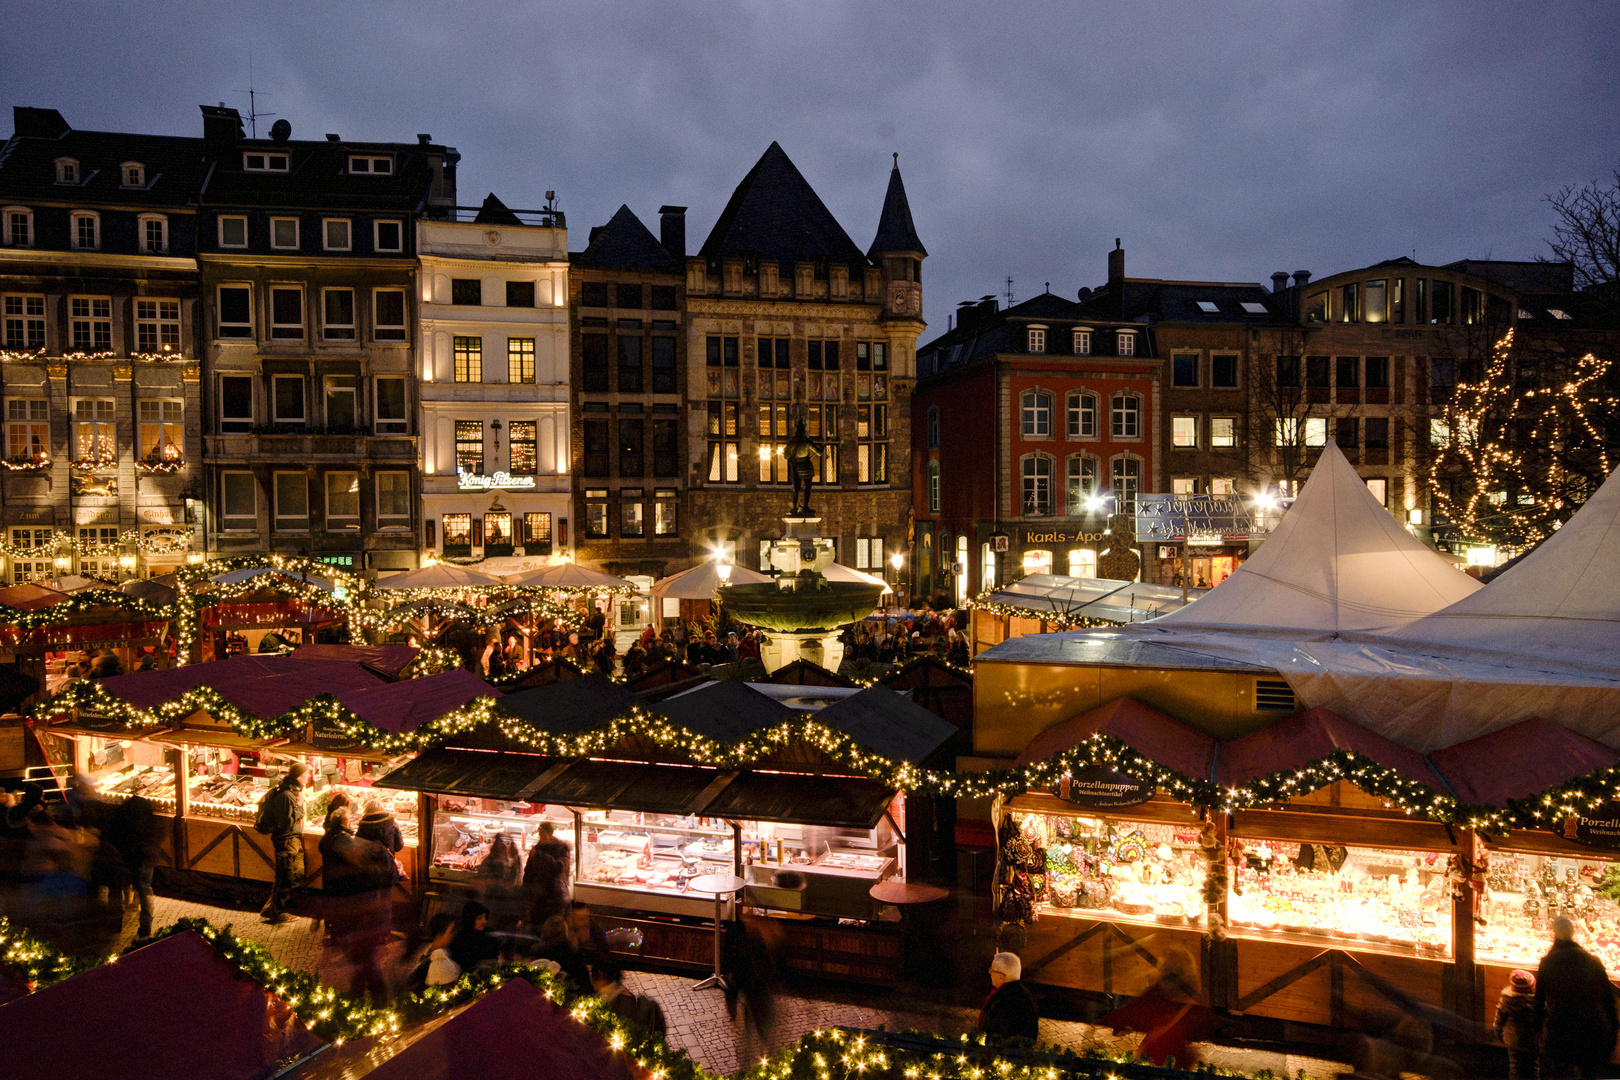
(1575, 1011)
(1010, 1010)
(281, 816)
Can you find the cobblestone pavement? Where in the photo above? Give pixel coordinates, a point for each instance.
(697, 1019)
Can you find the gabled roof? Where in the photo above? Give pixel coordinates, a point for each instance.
(895, 230)
(571, 706)
(1338, 561)
(494, 212)
(889, 723)
(726, 710)
(174, 168)
(775, 215)
(624, 243)
(1310, 737)
(1143, 728)
(1519, 761)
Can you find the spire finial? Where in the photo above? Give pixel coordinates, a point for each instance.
(897, 159)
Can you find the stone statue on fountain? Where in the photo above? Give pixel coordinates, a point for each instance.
(803, 461)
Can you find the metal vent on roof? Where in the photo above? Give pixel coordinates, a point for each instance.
(1273, 695)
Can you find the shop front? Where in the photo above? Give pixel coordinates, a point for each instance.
(809, 846)
(501, 520)
(1202, 565)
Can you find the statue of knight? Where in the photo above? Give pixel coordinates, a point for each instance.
(803, 462)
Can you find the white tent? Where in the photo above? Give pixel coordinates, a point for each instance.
(572, 576)
(700, 582)
(440, 576)
(1338, 561)
(840, 572)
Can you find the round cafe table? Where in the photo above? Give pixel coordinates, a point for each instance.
(723, 886)
(901, 893)
(916, 947)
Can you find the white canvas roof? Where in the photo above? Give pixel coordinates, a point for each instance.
(1337, 562)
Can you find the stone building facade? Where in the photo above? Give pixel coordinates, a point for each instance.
(789, 322)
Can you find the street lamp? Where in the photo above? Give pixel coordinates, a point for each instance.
(723, 569)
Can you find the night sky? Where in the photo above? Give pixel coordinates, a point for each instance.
(1220, 141)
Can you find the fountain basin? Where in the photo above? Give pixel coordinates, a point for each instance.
(814, 604)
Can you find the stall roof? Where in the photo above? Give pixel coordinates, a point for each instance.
(889, 723)
(511, 1032)
(199, 1019)
(1519, 761)
(1055, 595)
(386, 660)
(405, 706)
(571, 706)
(727, 710)
(1112, 648)
(1338, 561)
(1308, 737)
(262, 685)
(248, 573)
(482, 773)
(620, 785)
(847, 802)
(700, 582)
(30, 597)
(1146, 730)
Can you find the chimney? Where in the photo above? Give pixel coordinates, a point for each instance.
(672, 230)
(1301, 278)
(222, 129)
(1116, 262)
(37, 123)
(423, 138)
(1279, 282)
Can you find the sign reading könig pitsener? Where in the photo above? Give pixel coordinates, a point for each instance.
(1097, 788)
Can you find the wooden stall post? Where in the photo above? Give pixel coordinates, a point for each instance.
(1467, 980)
(182, 805)
(424, 844)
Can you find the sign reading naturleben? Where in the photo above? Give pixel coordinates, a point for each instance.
(1199, 518)
(1599, 829)
(1097, 788)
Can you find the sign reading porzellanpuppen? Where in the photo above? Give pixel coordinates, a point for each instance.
(1097, 788)
(1599, 829)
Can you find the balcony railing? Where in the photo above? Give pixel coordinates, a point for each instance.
(547, 219)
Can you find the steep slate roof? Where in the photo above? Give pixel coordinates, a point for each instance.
(494, 212)
(174, 165)
(319, 177)
(1177, 301)
(895, 230)
(624, 243)
(776, 215)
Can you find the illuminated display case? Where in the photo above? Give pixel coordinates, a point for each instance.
(468, 832)
(1526, 891)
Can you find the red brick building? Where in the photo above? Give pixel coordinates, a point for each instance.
(1031, 424)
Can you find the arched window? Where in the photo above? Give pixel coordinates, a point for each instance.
(933, 427)
(1127, 482)
(67, 170)
(1082, 415)
(1126, 413)
(132, 174)
(1035, 408)
(1080, 482)
(18, 222)
(1037, 488)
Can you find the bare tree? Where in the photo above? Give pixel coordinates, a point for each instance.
(1290, 407)
(1586, 233)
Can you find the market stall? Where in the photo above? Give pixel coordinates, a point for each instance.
(265, 608)
(1046, 603)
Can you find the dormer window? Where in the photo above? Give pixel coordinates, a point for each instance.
(1082, 343)
(1208, 307)
(67, 171)
(261, 162)
(1037, 339)
(371, 165)
(134, 174)
(1127, 343)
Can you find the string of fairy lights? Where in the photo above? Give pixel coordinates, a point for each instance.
(1524, 444)
(823, 1054)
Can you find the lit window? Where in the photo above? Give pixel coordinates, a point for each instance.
(520, 360)
(521, 437)
(632, 520)
(157, 326)
(1184, 431)
(1208, 307)
(1183, 486)
(1316, 431)
(1439, 433)
(1288, 431)
(28, 431)
(1379, 488)
(470, 447)
(1559, 313)
(664, 511)
(1082, 563)
(458, 534)
(161, 430)
(468, 353)
(1223, 432)
(1037, 562)
(342, 499)
(1222, 485)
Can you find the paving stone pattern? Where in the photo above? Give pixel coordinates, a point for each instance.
(698, 1022)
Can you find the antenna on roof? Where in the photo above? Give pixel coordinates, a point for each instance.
(1009, 290)
(253, 106)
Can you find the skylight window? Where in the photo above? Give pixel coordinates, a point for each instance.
(1254, 307)
(1208, 307)
(1559, 313)
(1523, 314)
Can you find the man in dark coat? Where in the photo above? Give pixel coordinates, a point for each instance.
(1010, 1010)
(281, 816)
(132, 831)
(546, 876)
(1575, 1011)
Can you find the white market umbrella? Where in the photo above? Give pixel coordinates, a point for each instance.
(701, 581)
(571, 576)
(439, 576)
(840, 572)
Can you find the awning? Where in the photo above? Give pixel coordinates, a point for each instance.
(1054, 596)
(1146, 730)
(386, 660)
(1519, 761)
(847, 802)
(1306, 738)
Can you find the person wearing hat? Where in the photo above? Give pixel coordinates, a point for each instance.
(1515, 1016)
(1575, 1016)
(1010, 1010)
(281, 817)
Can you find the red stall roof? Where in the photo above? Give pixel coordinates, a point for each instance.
(1144, 729)
(1519, 761)
(386, 660)
(1308, 737)
(405, 706)
(263, 685)
(511, 1033)
(171, 1009)
(30, 597)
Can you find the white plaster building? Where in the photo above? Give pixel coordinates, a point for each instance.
(494, 387)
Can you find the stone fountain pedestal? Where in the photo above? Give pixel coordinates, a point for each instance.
(782, 647)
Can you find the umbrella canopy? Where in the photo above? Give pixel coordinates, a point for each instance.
(700, 582)
(72, 583)
(840, 572)
(151, 589)
(234, 577)
(571, 576)
(439, 576)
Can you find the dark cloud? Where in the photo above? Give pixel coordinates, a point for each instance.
(1219, 140)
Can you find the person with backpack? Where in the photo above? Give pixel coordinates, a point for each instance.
(607, 978)
(281, 817)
